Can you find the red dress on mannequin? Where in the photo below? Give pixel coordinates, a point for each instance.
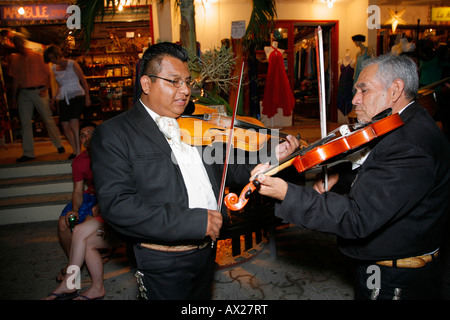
(277, 91)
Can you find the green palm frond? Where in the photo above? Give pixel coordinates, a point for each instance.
(90, 10)
(261, 21)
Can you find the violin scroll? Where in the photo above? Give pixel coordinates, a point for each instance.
(235, 203)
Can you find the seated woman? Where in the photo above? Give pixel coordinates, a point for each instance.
(84, 200)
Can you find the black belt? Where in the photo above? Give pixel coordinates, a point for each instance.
(34, 88)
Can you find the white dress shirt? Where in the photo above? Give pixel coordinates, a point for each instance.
(196, 180)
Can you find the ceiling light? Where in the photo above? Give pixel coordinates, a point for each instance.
(396, 19)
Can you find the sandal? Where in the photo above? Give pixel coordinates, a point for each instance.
(82, 297)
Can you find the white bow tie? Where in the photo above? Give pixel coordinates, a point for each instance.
(171, 130)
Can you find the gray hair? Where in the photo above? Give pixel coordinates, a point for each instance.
(391, 67)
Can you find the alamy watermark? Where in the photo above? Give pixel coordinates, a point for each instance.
(250, 146)
(74, 280)
(373, 21)
(374, 280)
(74, 20)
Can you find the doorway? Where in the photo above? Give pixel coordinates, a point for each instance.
(297, 38)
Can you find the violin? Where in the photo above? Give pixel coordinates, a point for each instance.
(325, 150)
(206, 125)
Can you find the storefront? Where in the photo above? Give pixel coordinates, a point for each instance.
(297, 21)
(298, 39)
(109, 64)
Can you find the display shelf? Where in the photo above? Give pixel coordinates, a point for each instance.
(111, 85)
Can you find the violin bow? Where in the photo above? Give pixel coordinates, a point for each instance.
(229, 145)
(322, 99)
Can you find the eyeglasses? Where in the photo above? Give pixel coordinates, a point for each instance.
(177, 83)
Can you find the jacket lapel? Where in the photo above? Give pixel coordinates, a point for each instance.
(148, 127)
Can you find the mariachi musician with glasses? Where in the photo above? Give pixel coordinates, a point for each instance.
(156, 189)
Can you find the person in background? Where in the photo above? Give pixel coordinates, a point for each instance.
(158, 191)
(84, 200)
(86, 240)
(72, 95)
(392, 221)
(31, 81)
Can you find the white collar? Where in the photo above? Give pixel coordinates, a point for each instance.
(152, 113)
(406, 107)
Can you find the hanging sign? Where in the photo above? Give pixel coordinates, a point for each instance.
(237, 29)
(34, 12)
(440, 14)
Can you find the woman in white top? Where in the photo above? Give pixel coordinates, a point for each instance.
(72, 95)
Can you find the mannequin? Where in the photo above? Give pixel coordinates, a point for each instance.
(363, 54)
(277, 91)
(268, 50)
(403, 46)
(347, 60)
(345, 94)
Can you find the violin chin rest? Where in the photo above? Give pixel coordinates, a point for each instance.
(190, 108)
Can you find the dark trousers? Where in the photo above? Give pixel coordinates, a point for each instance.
(398, 283)
(175, 275)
